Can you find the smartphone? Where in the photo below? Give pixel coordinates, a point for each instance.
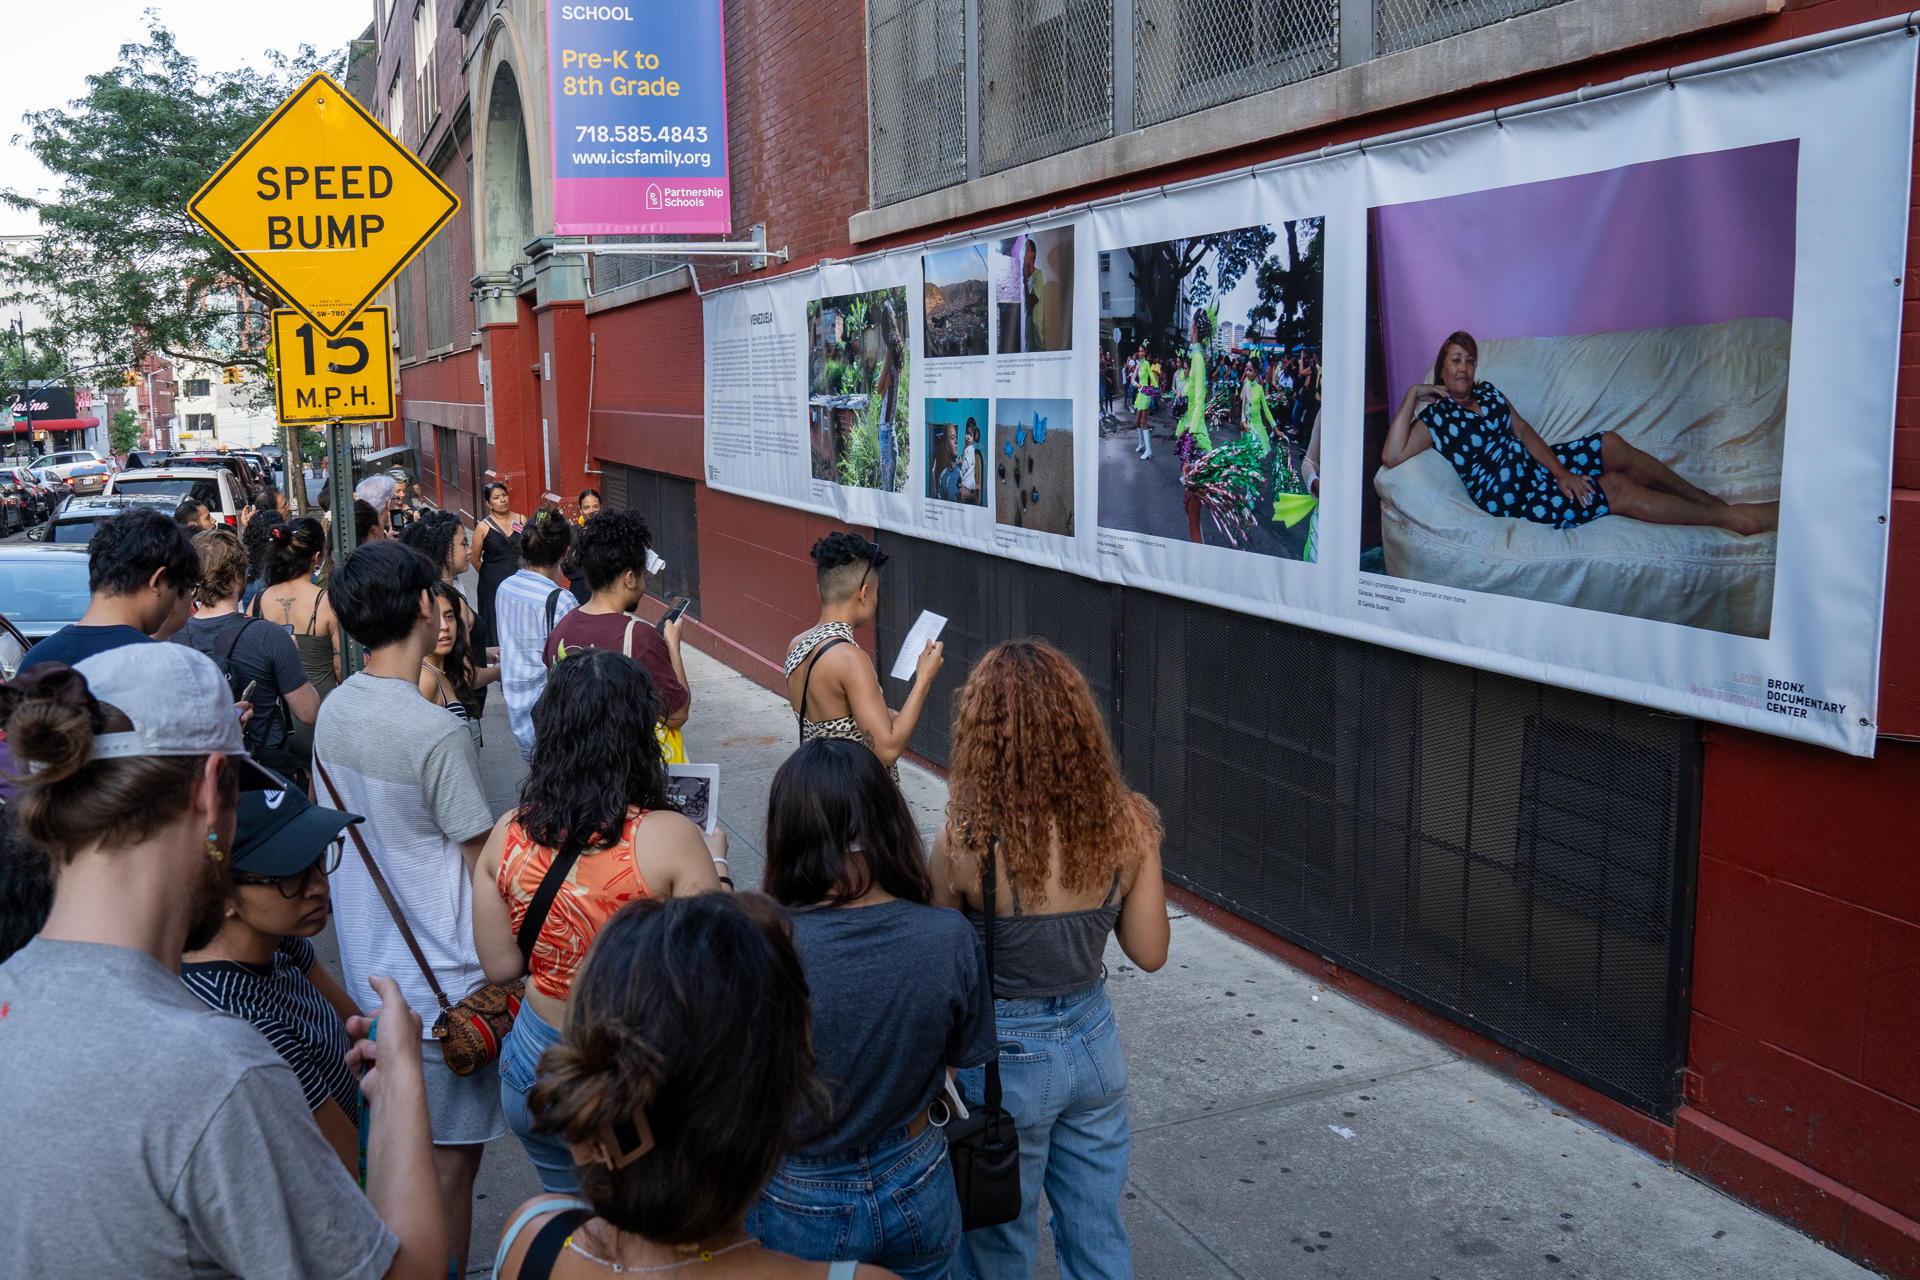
(674, 610)
(246, 694)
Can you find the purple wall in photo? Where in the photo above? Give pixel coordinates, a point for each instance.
(1691, 240)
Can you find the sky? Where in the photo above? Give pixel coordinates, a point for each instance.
(53, 45)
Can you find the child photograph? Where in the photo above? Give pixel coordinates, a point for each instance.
(956, 451)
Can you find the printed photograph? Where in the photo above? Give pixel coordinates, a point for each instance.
(1033, 464)
(1576, 389)
(857, 385)
(1210, 388)
(956, 301)
(692, 788)
(957, 451)
(1033, 291)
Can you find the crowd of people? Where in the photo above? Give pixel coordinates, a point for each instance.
(753, 1083)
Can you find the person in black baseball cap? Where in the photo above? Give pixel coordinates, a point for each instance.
(261, 966)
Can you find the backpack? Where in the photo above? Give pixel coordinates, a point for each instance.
(279, 759)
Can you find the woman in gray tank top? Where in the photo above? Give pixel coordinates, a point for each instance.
(1035, 788)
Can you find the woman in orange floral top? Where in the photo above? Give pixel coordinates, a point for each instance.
(596, 799)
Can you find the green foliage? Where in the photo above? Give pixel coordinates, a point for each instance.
(123, 431)
(34, 358)
(122, 268)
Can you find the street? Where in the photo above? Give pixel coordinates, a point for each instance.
(1144, 495)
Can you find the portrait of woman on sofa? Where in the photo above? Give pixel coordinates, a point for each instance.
(1509, 471)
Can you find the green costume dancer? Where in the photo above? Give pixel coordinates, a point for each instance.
(1194, 420)
(1259, 416)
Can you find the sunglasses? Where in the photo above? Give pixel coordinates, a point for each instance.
(874, 561)
(292, 886)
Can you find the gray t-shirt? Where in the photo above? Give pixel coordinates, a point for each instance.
(154, 1136)
(407, 766)
(899, 993)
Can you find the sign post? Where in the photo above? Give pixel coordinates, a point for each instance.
(340, 503)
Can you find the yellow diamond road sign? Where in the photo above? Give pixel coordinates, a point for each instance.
(324, 204)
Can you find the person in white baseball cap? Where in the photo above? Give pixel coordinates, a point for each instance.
(213, 1165)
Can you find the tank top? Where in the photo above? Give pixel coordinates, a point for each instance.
(1035, 957)
(600, 883)
(453, 704)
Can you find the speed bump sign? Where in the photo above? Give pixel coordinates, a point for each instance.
(321, 378)
(323, 204)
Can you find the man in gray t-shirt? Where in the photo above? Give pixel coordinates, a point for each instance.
(184, 1145)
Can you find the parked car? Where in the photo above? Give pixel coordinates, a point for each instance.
(38, 498)
(64, 463)
(45, 587)
(215, 486)
(13, 647)
(13, 510)
(76, 521)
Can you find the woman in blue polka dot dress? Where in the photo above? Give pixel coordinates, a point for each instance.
(1510, 471)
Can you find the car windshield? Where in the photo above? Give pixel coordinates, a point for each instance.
(44, 588)
(201, 488)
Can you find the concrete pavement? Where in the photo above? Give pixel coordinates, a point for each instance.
(1280, 1129)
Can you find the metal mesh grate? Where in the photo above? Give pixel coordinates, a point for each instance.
(667, 503)
(917, 55)
(1191, 54)
(1511, 855)
(1404, 24)
(1046, 78)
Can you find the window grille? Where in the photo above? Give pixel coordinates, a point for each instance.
(916, 117)
(1405, 24)
(1046, 78)
(1193, 54)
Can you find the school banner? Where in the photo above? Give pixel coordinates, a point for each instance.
(1600, 395)
(639, 107)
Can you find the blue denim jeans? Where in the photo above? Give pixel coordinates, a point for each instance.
(1064, 1079)
(891, 1204)
(519, 1056)
(889, 457)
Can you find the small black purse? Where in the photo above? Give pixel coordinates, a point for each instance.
(984, 1148)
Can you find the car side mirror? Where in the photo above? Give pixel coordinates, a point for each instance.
(37, 534)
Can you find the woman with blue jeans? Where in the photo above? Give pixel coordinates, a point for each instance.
(595, 800)
(1034, 786)
(899, 996)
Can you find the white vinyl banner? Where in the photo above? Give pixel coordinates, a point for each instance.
(1600, 395)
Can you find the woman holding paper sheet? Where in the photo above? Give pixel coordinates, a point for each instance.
(831, 684)
(594, 802)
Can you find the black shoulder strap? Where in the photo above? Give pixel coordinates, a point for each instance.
(233, 638)
(546, 1246)
(987, 877)
(530, 924)
(553, 603)
(813, 660)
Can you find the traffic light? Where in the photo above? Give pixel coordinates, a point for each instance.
(233, 373)
(132, 379)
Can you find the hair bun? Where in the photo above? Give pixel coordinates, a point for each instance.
(51, 720)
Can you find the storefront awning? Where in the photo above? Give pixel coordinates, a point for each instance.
(21, 425)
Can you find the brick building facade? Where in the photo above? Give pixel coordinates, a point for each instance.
(1795, 992)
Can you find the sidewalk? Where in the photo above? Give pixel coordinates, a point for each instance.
(1280, 1129)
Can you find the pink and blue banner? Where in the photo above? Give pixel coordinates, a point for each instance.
(639, 100)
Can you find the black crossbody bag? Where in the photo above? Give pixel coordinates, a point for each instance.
(984, 1148)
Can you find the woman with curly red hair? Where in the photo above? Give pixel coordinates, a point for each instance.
(1037, 799)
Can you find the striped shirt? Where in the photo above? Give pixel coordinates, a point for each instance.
(290, 1012)
(520, 626)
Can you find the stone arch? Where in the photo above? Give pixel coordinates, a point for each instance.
(506, 200)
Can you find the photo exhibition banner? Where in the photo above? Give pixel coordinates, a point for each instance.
(638, 99)
(1600, 396)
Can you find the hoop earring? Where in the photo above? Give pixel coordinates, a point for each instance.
(213, 846)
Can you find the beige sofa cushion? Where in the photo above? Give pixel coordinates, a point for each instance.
(1708, 400)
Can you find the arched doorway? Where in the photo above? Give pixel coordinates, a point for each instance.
(506, 203)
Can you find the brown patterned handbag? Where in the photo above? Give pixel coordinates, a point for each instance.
(469, 1030)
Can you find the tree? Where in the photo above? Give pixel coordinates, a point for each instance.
(123, 431)
(1160, 273)
(121, 268)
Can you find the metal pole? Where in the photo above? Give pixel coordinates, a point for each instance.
(293, 469)
(340, 499)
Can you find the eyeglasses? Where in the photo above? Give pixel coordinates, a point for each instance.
(296, 884)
